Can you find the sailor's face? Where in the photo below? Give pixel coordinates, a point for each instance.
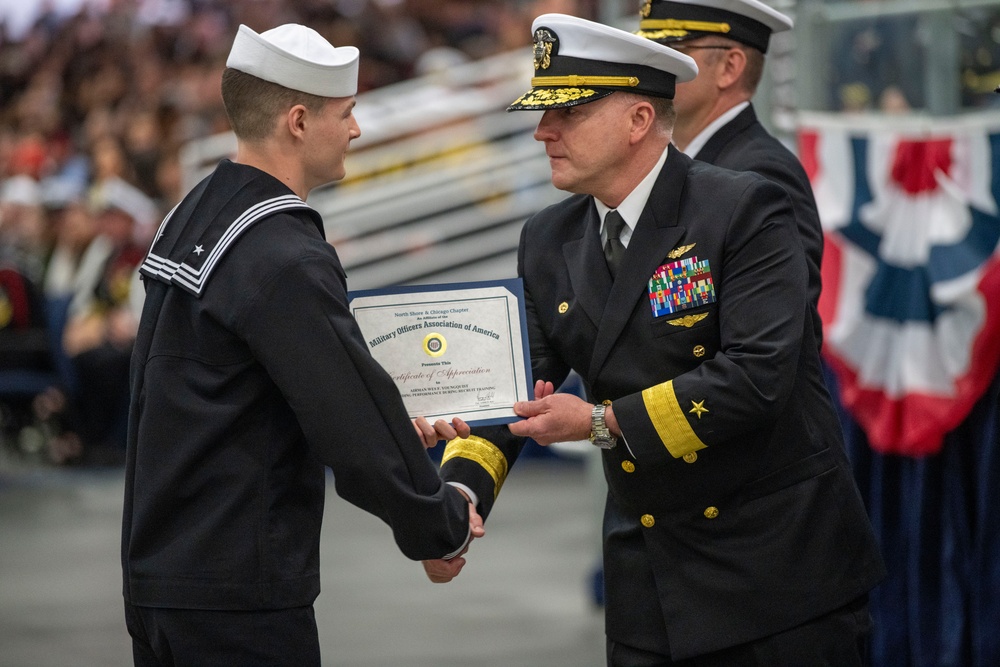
(335, 128)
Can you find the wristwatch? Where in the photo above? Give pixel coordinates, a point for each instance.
(600, 435)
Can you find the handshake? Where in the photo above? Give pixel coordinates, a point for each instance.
(443, 570)
(549, 418)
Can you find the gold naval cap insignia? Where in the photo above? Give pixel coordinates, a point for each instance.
(542, 49)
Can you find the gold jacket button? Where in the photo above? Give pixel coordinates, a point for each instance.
(628, 466)
(563, 307)
(690, 457)
(711, 512)
(699, 350)
(647, 520)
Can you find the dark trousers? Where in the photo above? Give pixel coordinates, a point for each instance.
(193, 637)
(837, 639)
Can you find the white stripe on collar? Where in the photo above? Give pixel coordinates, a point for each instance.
(194, 279)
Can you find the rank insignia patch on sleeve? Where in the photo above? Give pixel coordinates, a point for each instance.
(676, 286)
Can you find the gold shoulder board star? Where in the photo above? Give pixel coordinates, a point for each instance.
(688, 320)
(698, 408)
(680, 250)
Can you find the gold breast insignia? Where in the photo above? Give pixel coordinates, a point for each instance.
(688, 320)
(680, 250)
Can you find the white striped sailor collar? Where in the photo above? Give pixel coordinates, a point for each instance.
(186, 255)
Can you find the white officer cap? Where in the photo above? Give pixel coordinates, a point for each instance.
(296, 57)
(579, 61)
(748, 21)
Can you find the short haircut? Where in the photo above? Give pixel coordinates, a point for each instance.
(666, 115)
(253, 104)
(754, 70)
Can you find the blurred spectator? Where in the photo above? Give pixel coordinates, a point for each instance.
(25, 361)
(892, 100)
(979, 41)
(103, 316)
(23, 343)
(872, 56)
(22, 224)
(71, 229)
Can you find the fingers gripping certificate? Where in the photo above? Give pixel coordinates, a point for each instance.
(457, 350)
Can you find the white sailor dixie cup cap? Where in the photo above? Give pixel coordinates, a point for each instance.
(747, 21)
(579, 61)
(296, 57)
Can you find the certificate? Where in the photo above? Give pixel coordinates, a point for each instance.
(458, 350)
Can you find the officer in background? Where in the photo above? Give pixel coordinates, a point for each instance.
(733, 533)
(716, 122)
(249, 374)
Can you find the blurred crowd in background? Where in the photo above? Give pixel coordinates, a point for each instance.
(95, 106)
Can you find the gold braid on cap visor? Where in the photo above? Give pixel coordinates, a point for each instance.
(678, 24)
(550, 97)
(576, 81)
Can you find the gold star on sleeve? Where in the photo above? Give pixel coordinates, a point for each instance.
(697, 408)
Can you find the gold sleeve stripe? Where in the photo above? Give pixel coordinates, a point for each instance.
(483, 452)
(677, 24)
(668, 420)
(576, 81)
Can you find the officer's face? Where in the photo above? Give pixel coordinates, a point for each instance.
(331, 134)
(696, 98)
(586, 145)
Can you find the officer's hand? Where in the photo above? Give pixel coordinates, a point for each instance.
(543, 389)
(554, 418)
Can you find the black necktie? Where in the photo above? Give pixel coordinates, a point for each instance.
(614, 249)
